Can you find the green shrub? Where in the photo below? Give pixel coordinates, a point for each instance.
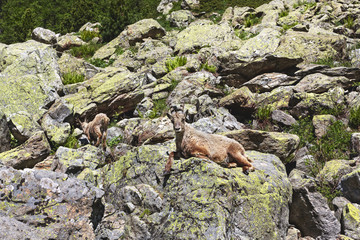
(171, 64)
(305, 130)
(218, 6)
(159, 109)
(286, 27)
(332, 62)
(334, 145)
(115, 141)
(305, 4)
(207, 67)
(336, 111)
(349, 22)
(88, 35)
(263, 113)
(119, 51)
(13, 141)
(284, 13)
(243, 35)
(72, 77)
(101, 63)
(173, 84)
(71, 142)
(85, 51)
(354, 117)
(328, 191)
(251, 20)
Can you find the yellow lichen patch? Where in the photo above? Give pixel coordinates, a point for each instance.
(352, 214)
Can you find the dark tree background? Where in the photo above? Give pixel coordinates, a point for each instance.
(19, 17)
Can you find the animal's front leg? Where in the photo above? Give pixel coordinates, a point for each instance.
(104, 139)
(169, 163)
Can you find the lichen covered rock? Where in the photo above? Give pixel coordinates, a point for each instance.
(4, 134)
(34, 150)
(108, 92)
(73, 161)
(39, 204)
(29, 82)
(130, 36)
(351, 220)
(279, 144)
(350, 186)
(198, 36)
(195, 200)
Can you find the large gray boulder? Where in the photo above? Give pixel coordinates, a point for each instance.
(137, 131)
(350, 186)
(112, 91)
(320, 83)
(39, 204)
(205, 34)
(4, 134)
(350, 220)
(56, 122)
(309, 210)
(146, 28)
(34, 150)
(74, 161)
(237, 68)
(194, 202)
(44, 35)
(29, 83)
(282, 145)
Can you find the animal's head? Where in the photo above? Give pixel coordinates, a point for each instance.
(84, 125)
(177, 117)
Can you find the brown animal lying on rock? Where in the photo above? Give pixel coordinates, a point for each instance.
(97, 129)
(193, 143)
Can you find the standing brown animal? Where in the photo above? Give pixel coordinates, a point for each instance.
(193, 143)
(97, 129)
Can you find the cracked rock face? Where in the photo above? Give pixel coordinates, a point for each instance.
(38, 204)
(199, 199)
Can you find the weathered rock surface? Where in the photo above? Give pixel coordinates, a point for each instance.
(69, 64)
(322, 123)
(181, 18)
(177, 209)
(319, 83)
(146, 131)
(109, 92)
(237, 69)
(279, 144)
(269, 81)
(310, 46)
(4, 134)
(309, 210)
(56, 122)
(205, 34)
(34, 150)
(350, 186)
(68, 41)
(351, 220)
(73, 161)
(44, 35)
(132, 34)
(30, 82)
(283, 118)
(38, 204)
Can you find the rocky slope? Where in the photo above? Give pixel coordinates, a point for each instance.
(253, 75)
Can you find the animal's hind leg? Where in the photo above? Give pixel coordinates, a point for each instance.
(98, 134)
(243, 162)
(169, 163)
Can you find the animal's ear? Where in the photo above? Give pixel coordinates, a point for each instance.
(169, 115)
